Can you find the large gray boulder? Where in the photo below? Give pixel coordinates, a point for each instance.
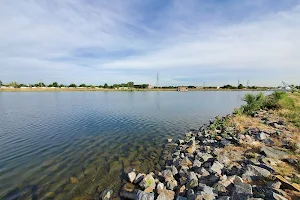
(272, 153)
(254, 173)
(242, 191)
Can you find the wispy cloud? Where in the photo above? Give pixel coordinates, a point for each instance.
(188, 42)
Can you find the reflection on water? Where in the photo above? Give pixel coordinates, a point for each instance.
(46, 138)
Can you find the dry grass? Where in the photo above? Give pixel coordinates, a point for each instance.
(243, 121)
(284, 169)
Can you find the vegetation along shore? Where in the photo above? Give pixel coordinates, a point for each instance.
(130, 86)
(253, 153)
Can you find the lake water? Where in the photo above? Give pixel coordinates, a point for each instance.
(48, 137)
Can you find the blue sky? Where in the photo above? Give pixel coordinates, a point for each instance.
(187, 42)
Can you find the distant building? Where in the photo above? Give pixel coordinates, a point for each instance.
(218, 87)
(182, 89)
(150, 86)
(123, 88)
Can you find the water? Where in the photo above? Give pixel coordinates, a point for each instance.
(48, 137)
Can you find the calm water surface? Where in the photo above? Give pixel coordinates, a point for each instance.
(48, 137)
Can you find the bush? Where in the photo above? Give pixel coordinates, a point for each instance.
(272, 101)
(254, 102)
(259, 101)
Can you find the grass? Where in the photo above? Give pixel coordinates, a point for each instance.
(287, 105)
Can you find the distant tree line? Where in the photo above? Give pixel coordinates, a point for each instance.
(127, 85)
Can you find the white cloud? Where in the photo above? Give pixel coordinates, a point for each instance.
(41, 38)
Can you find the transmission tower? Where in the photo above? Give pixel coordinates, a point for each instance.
(247, 83)
(157, 80)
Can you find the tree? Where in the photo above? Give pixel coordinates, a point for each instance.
(61, 85)
(130, 84)
(41, 84)
(14, 84)
(82, 85)
(105, 85)
(54, 84)
(0, 83)
(72, 85)
(240, 86)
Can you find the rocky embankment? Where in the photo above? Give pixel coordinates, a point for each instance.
(219, 161)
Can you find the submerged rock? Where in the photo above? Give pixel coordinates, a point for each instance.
(73, 180)
(129, 187)
(106, 194)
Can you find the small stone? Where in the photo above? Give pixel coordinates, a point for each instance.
(207, 193)
(192, 183)
(276, 185)
(73, 180)
(141, 195)
(169, 140)
(242, 191)
(173, 169)
(181, 198)
(138, 178)
(148, 183)
(129, 187)
(159, 187)
(197, 163)
(206, 156)
(166, 195)
(219, 138)
(217, 167)
(182, 190)
(131, 176)
(128, 195)
(186, 162)
(180, 141)
(106, 194)
(262, 136)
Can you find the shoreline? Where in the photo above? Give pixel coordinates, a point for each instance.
(235, 157)
(115, 90)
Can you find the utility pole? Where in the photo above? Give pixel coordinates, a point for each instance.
(157, 80)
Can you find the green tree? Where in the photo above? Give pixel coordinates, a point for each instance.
(14, 84)
(240, 86)
(55, 84)
(130, 84)
(72, 85)
(61, 85)
(41, 84)
(82, 85)
(0, 83)
(105, 85)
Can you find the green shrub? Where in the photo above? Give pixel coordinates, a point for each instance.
(254, 102)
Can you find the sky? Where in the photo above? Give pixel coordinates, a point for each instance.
(188, 42)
